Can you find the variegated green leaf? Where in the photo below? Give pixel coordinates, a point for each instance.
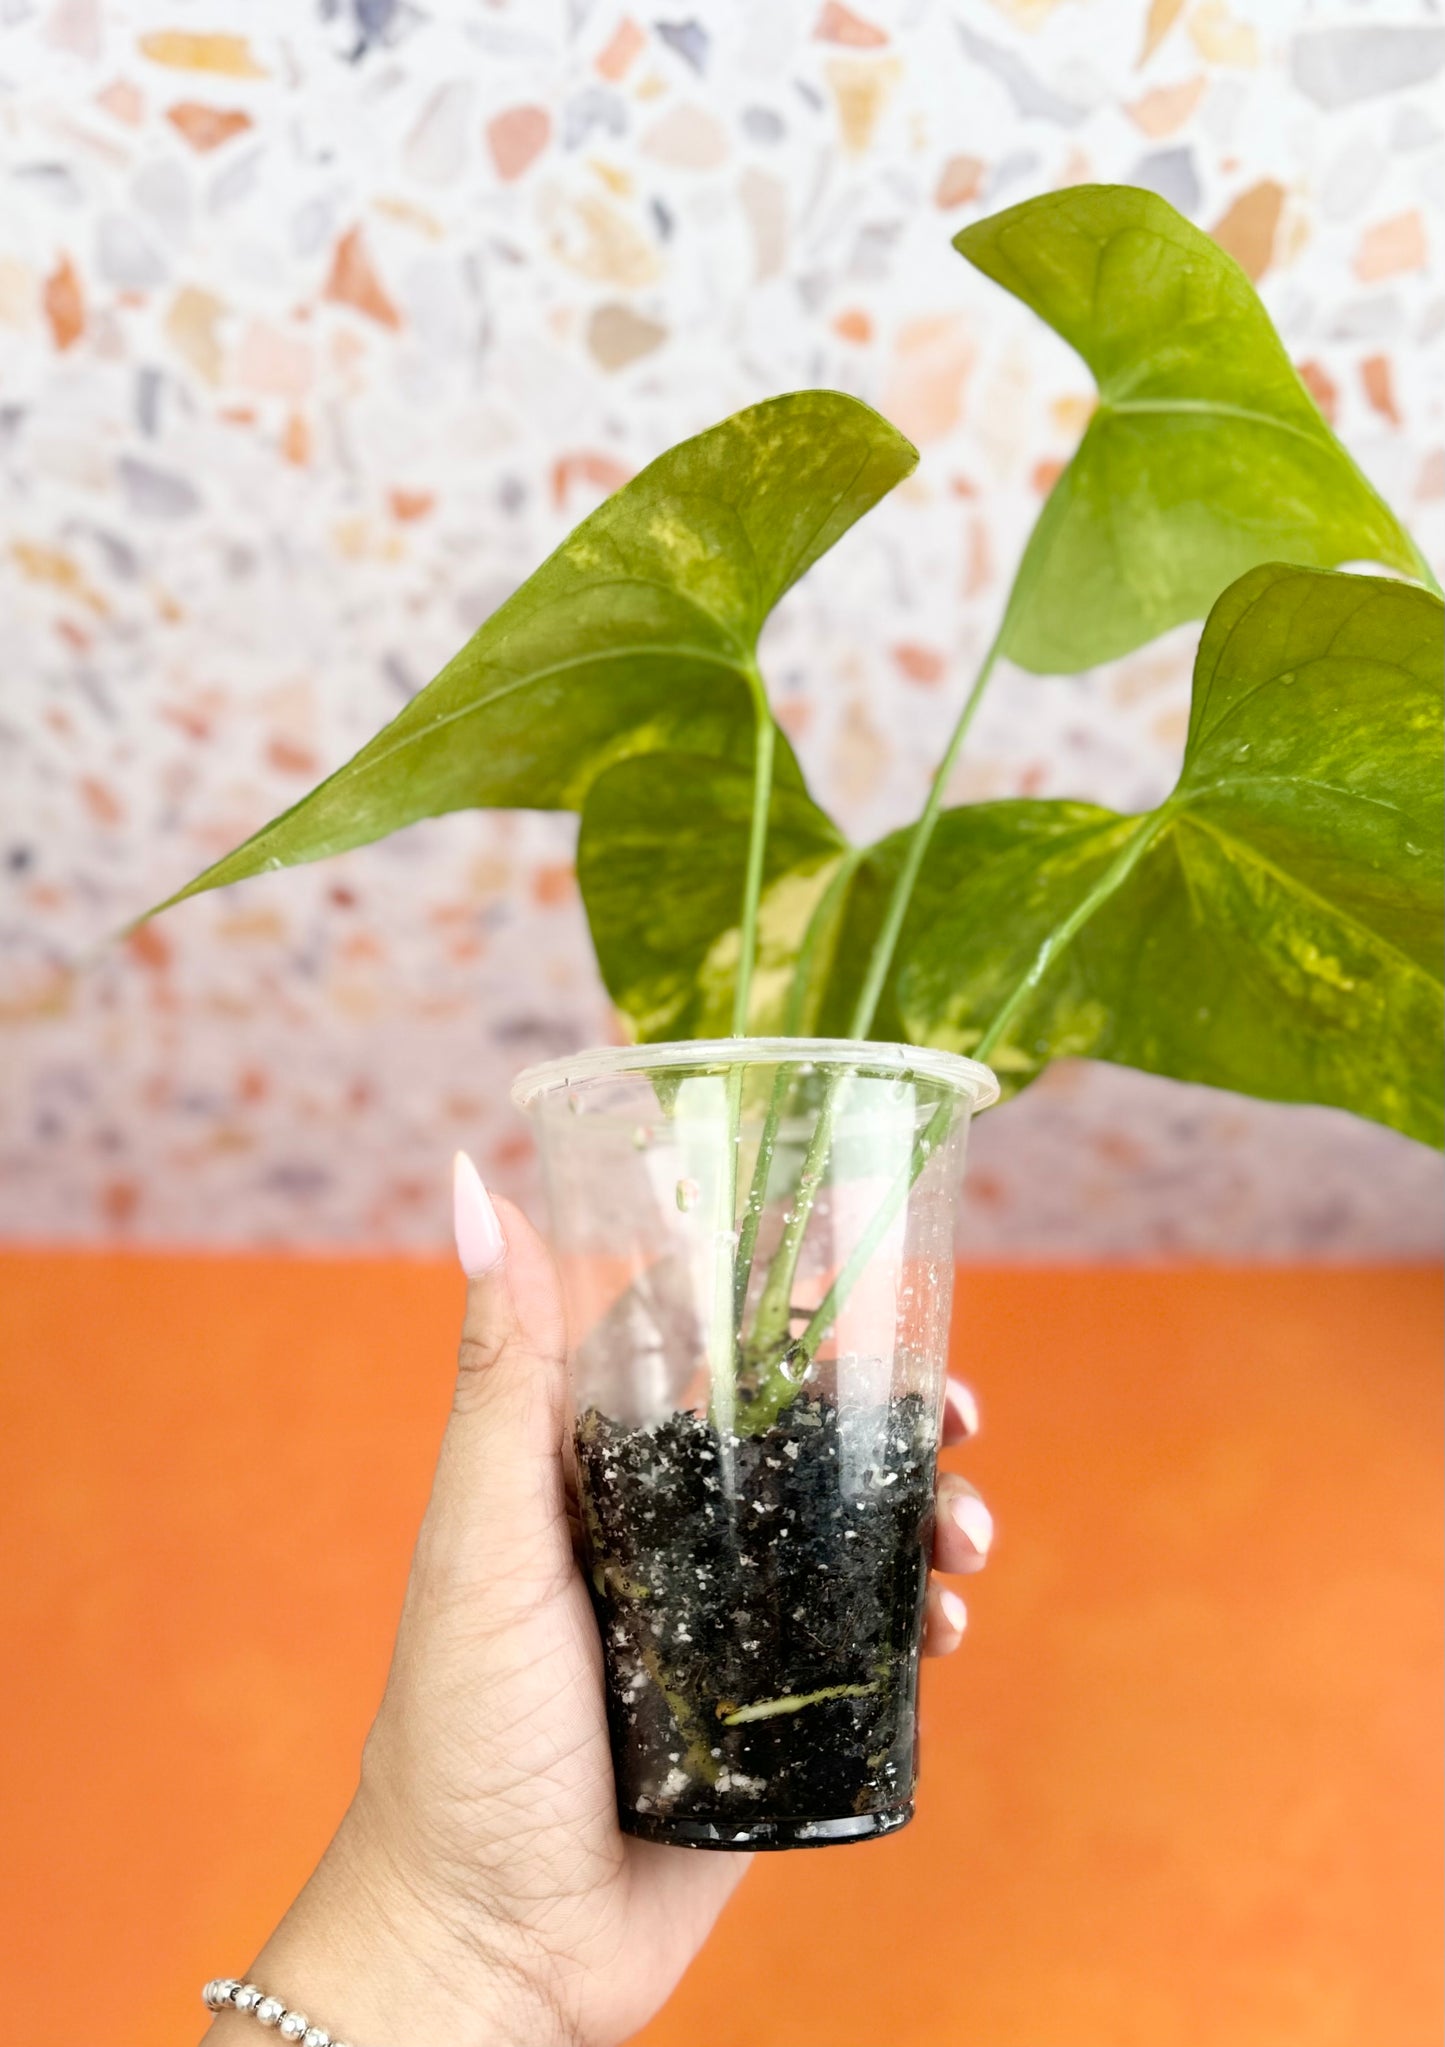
(1205, 456)
(639, 633)
(1275, 926)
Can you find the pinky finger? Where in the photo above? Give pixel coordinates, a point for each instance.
(944, 1619)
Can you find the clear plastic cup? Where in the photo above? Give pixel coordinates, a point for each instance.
(756, 1244)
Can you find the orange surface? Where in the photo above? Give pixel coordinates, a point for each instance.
(1181, 1789)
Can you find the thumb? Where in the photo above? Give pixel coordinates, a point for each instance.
(498, 1502)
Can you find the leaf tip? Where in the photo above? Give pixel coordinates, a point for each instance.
(879, 422)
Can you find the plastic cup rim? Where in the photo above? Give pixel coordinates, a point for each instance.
(968, 1078)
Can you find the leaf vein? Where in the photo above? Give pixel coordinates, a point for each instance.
(1209, 407)
(644, 650)
(1241, 850)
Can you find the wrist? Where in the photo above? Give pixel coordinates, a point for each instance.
(368, 1959)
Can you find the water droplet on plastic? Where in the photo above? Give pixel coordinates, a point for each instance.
(688, 1195)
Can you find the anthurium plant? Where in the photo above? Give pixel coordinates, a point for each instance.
(1274, 926)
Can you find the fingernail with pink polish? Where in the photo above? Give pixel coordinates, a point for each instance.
(961, 1400)
(974, 1519)
(480, 1243)
(954, 1610)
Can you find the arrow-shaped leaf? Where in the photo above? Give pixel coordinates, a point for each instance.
(1206, 454)
(640, 632)
(1275, 926)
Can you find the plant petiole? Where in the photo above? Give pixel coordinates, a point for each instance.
(936, 1130)
(1117, 872)
(820, 930)
(934, 1133)
(886, 943)
(723, 1348)
(763, 736)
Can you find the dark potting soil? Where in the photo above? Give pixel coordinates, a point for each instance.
(760, 1600)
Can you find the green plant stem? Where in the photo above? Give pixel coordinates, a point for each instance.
(1118, 871)
(937, 1127)
(886, 943)
(772, 1323)
(826, 1313)
(723, 1348)
(828, 905)
(763, 731)
(773, 1319)
(757, 1196)
(722, 1345)
(880, 962)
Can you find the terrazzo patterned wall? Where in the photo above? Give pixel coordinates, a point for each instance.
(319, 326)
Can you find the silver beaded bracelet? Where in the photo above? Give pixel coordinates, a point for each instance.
(226, 1993)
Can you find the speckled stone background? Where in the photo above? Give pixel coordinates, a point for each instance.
(321, 323)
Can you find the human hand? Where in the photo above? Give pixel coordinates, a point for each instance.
(479, 1891)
